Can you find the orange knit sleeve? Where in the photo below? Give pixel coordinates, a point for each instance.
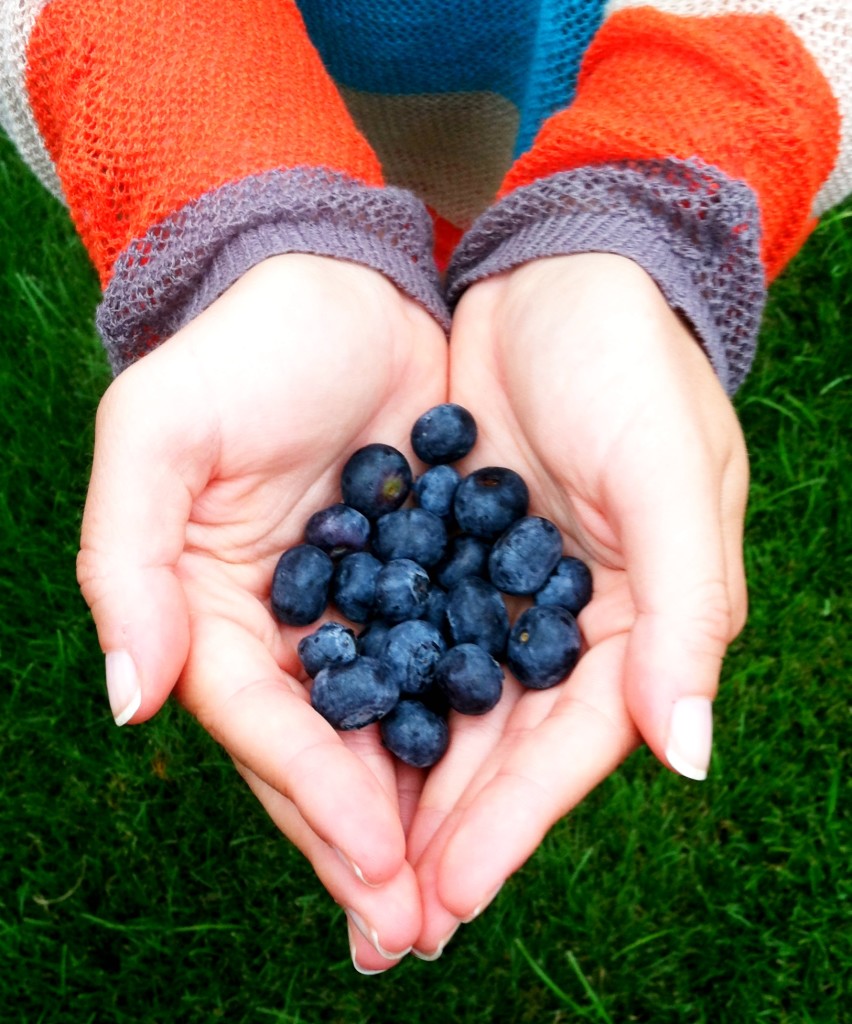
(739, 92)
(193, 140)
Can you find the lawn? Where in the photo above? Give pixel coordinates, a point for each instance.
(140, 881)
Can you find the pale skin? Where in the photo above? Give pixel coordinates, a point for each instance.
(212, 451)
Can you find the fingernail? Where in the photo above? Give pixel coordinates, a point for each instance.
(691, 737)
(372, 936)
(477, 910)
(359, 968)
(123, 690)
(442, 945)
(353, 867)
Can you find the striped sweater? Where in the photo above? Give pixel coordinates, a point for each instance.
(438, 141)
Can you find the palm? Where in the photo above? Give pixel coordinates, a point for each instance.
(239, 427)
(583, 403)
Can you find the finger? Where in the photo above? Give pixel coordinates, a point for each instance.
(263, 718)
(139, 499)
(677, 567)
(382, 921)
(537, 778)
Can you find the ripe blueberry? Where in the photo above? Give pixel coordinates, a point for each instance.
(410, 533)
(338, 530)
(543, 646)
(376, 479)
(300, 585)
(415, 734)
(353, 586)
(442, 434)
(524, 556)
(410, 653)
(569, 585)
(331, 644)
(402, 590)
(471, 679)
(476, 614)
(435, 490)
(489, 500)
(353, 695)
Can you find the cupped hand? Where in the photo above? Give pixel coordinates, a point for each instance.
(210, 455)
(583, 380)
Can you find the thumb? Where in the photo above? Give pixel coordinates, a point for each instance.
(684, 564)
(133, 533)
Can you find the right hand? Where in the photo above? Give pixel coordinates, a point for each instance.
(210, 454)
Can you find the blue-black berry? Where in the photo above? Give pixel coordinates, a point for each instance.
(300, 585)
(435, 490)
(353, 586)
(489, 500)
(445, 433)
(353, 695)
(376, 479)
(477, 614)
(525, 555)
(471, 679)
(402, 590)
(409, 655)
(338, 530)
(569, 585)
(415, 734)
(543, 646)
(331, 644)
(410, 533)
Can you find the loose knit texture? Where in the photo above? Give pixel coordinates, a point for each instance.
(181, 265)
(688, 225)
(438, 97)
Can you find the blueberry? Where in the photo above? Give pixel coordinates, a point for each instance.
(444, 433)
(525, 555)
(402, 590)
(332, 644)
(338, 530)
(471, 679)
(415, 734)
(353, 695)
(543, 646)
(353, 586)
(435, 490)
(436, 608)
(569, 585)
(476, 613)
(371, 639)
(300, 585)
(410, 533)
(410, 653)
(376, 479)
(465, 556)
(489, 500)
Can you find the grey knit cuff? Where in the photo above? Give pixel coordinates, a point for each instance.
(693, 229)
(164, 280)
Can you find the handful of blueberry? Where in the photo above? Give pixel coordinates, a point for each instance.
(427, 583)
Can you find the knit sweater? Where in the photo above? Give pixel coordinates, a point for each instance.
(437, 141)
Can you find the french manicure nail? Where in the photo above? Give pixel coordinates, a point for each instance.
(435, 954)
(358, 967)
(691, 737)
(353, 867)
(477, 910)
(372, 936)
(123, 690)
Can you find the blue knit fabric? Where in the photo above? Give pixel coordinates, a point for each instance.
(527, 51)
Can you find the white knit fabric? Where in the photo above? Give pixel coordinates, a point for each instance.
(17, 18)
(825, 29)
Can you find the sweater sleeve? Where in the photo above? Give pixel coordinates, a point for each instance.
(703, 141)
(192, 141)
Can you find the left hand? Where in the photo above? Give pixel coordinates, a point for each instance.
(583, 380)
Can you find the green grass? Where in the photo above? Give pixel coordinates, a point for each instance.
(140, 881)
